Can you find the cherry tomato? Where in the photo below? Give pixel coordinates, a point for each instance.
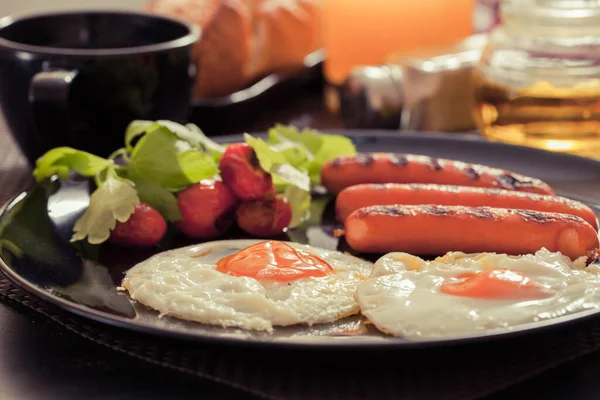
(264, 218)
(243, 175)
(207, 208)
(144, 228)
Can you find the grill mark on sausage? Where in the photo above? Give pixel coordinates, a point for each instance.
(398, 160)
(535, 216)
(507, 181)
(511, 182)
(472, 174)
(435, 210)
(547, 217)
(387, 210)
(479, 212)
(364, 159)
(434, 164)
(573, 218)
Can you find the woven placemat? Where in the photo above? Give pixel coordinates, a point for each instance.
(464, 372)
(460, 372)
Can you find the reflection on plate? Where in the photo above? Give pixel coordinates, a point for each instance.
(228, 113)
(37, 255)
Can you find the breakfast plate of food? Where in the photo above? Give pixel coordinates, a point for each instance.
(307, 238)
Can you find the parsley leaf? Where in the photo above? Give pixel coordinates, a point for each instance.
(113, 201)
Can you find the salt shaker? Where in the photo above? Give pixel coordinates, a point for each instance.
(431, 91)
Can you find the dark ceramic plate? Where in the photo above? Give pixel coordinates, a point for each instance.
(36, 254)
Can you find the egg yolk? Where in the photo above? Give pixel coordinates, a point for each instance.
(274, 261)
(496, 283)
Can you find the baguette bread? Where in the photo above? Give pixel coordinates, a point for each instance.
(286, 31)
(244, 40)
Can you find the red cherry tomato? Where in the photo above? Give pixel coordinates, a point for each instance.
(264, 218)
(207, 208)
(144, 228)
(243, 175)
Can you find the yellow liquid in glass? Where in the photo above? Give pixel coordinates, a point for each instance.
(542, 116)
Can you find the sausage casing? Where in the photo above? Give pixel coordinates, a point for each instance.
(435, 230)
(342, 172)
(358, 196)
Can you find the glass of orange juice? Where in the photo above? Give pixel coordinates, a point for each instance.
(365, 32)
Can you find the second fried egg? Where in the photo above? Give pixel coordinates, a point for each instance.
(462, 294)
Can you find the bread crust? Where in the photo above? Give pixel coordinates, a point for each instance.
(244, 40)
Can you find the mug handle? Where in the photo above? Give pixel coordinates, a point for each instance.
(49, 100)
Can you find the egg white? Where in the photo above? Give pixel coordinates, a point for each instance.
(184, 283)
(402, 296)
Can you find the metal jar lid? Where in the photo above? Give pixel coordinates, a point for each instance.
(372, 97)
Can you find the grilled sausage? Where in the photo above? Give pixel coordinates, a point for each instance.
(358, 196)
(342, 172)
(435, 230)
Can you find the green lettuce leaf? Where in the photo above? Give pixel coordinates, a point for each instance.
(197, 165)
(194, 137)
(308, 140)
(298, 149)
(332, 146)
(161, 199)
(62, 160)
(205, 142)
(136, 129)
(276, 164)
(189, 134)
(156, 158)
(308, 150)
(299, 201)
(113, 201)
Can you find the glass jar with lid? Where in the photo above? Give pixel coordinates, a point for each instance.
(538, 80)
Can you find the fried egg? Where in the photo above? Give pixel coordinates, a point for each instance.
(267, 284)
(461, 294)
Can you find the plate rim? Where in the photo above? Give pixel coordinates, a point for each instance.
(263, 85)
(385, 342)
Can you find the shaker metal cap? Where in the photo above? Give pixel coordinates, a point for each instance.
(372, 97)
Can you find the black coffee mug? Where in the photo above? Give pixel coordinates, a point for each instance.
(78, 78)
